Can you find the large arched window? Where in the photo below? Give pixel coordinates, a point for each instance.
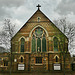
(22, 44)
(38, 40)
(55, 44)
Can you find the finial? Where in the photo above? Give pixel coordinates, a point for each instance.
(38, 6)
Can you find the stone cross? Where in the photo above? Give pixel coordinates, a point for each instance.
(38, 6)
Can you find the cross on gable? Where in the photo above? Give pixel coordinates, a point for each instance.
(38, 6)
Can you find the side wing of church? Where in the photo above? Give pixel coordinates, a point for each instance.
(40, 46)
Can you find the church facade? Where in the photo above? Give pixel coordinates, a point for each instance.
(40, 46)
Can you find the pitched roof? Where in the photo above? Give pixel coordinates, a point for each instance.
(47, 19)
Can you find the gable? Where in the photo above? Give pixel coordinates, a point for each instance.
(33, 22)
(38, 13)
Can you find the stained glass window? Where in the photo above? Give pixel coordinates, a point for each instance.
(44, 44)
(22, 44)
(39, 32)
(38, 45)
(33, 44)
(38, 40)
(55, 44)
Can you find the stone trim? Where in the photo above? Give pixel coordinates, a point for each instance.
(40, 27)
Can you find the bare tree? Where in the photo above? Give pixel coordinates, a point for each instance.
(7, 33)
(67, 28)
(4, 40)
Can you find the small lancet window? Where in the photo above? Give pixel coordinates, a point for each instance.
(21, 59)
(56, 59)
(38, 19)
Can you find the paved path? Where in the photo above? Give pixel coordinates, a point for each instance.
(37, 73)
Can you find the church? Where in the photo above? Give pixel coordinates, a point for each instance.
(40, 46)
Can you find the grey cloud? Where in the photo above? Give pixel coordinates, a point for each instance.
(17, 8)
(66, 7)
(6, 7)
(11, 3)
(23, 9)
(3, 13)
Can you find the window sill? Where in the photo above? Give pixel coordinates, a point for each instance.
(3, 66)
(38, 64)
(21, 62)
(56, 62)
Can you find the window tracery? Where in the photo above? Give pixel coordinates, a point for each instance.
(38, 40)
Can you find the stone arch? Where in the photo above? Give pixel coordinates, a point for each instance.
(21, 38)
(40, 27)
(56, 37)
(21, 56)
(21, 59)
(56, 56)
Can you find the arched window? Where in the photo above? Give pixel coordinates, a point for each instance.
(38, 19)
(38, 40)
(21, 59)
(22, 44)
(55, 44)
(33, 44)
(38, 45)
(43, 44)
(56, 59)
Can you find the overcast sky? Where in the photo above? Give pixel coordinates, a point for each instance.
(19, 11)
